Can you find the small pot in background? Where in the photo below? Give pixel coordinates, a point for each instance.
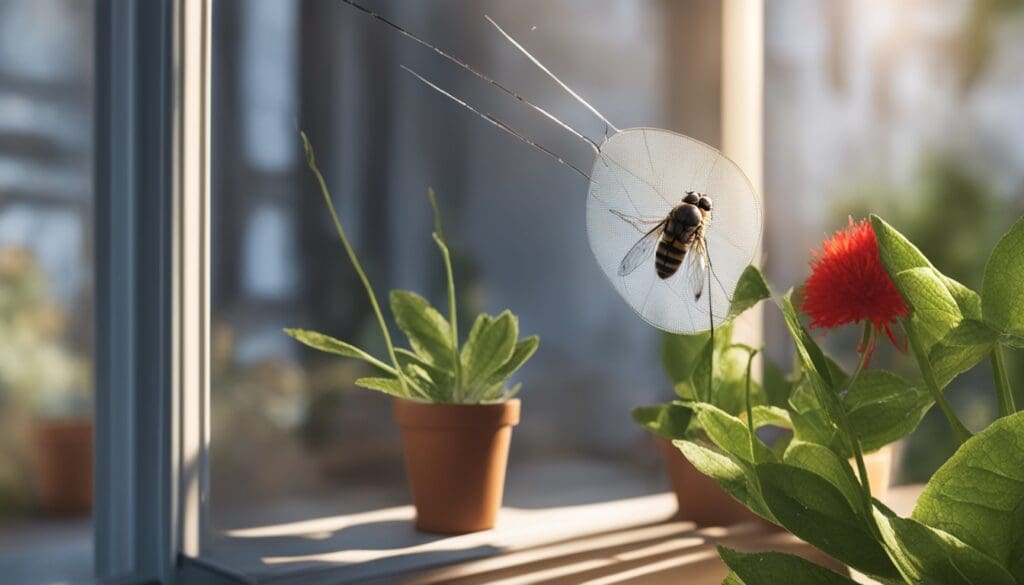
(455, 459)
(701, 499)
(879, 467)
(63, 465)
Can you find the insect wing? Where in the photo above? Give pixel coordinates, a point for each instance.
(695, 269)
(641, 251)
(642, 224)
(643, 172)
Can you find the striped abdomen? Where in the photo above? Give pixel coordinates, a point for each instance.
(671, 250)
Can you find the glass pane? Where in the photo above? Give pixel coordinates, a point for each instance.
(292, 437)
(46, 89)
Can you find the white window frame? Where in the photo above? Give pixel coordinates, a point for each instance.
(153, 272)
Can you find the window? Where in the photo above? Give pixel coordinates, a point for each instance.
(46, 291)
(224, 448)
(291, 437)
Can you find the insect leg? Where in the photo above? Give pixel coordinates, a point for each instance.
(498, 123)
(550, 74)
(474, 71)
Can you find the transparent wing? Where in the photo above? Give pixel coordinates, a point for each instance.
(642, 224)
(643, 173)
(641, 250)
(695, 268)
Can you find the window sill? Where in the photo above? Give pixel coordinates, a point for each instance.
(621, 541)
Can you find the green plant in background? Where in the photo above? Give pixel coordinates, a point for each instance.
(435, 368)
(968, 524)
(37, 369)
(716, 375)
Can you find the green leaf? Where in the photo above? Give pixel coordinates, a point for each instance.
(977, 496)
(771, 568)
(751, 289)
(949, 361)
(926, 555)
(730, 434)
(895, 250)
(882, 407)
(966, 299)
(814, 510)
(816, 368)
(328, 344)
(824, 463)
(777, 387)
(490, 344)
(898, 254)
(428, 332)
(386, 385)
(970, 332)
(669, 421)
(810, 421)
(1012, 340)
(771, 415)
(739, 483)
(933, 308)
(1002, 291)
(679, 354)
(444, 379)
(522, 351)
(715, 356)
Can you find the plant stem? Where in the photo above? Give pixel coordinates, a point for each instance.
(750, 409)
(311, 162)
(933, 386)
(866, 341)
(1003, 391)
(452, 313)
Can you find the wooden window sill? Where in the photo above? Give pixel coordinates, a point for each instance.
(622, 541)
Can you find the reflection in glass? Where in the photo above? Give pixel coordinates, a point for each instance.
(46, 76)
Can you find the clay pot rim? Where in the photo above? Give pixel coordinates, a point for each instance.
(413, 414)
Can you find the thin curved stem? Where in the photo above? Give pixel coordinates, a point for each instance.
(1003, 390)
(311, 162)
(933, 386)
(867, 339)
(750, 409)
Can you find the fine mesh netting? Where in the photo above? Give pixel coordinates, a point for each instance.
(644, 173)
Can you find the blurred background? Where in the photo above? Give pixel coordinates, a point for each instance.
(910, 109)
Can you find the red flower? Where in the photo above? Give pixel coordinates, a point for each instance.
(849, 284)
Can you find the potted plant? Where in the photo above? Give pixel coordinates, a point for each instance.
(451, 401)
(699, 499)
(46, 384)
(967, 525)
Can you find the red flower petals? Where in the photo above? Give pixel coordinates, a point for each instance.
(849, 284)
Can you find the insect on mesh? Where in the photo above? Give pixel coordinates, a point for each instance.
(644, 173)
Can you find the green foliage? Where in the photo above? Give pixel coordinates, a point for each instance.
(883, 407)
(669, 421)
(436, 369)
(968, 526)
(810, 507)
(928, 555)
(978, 495)
(699, 367)
(770, 568)
(1002, 292)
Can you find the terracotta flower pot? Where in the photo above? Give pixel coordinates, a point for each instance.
(63, 465)
(701, 500)
(455, 458)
